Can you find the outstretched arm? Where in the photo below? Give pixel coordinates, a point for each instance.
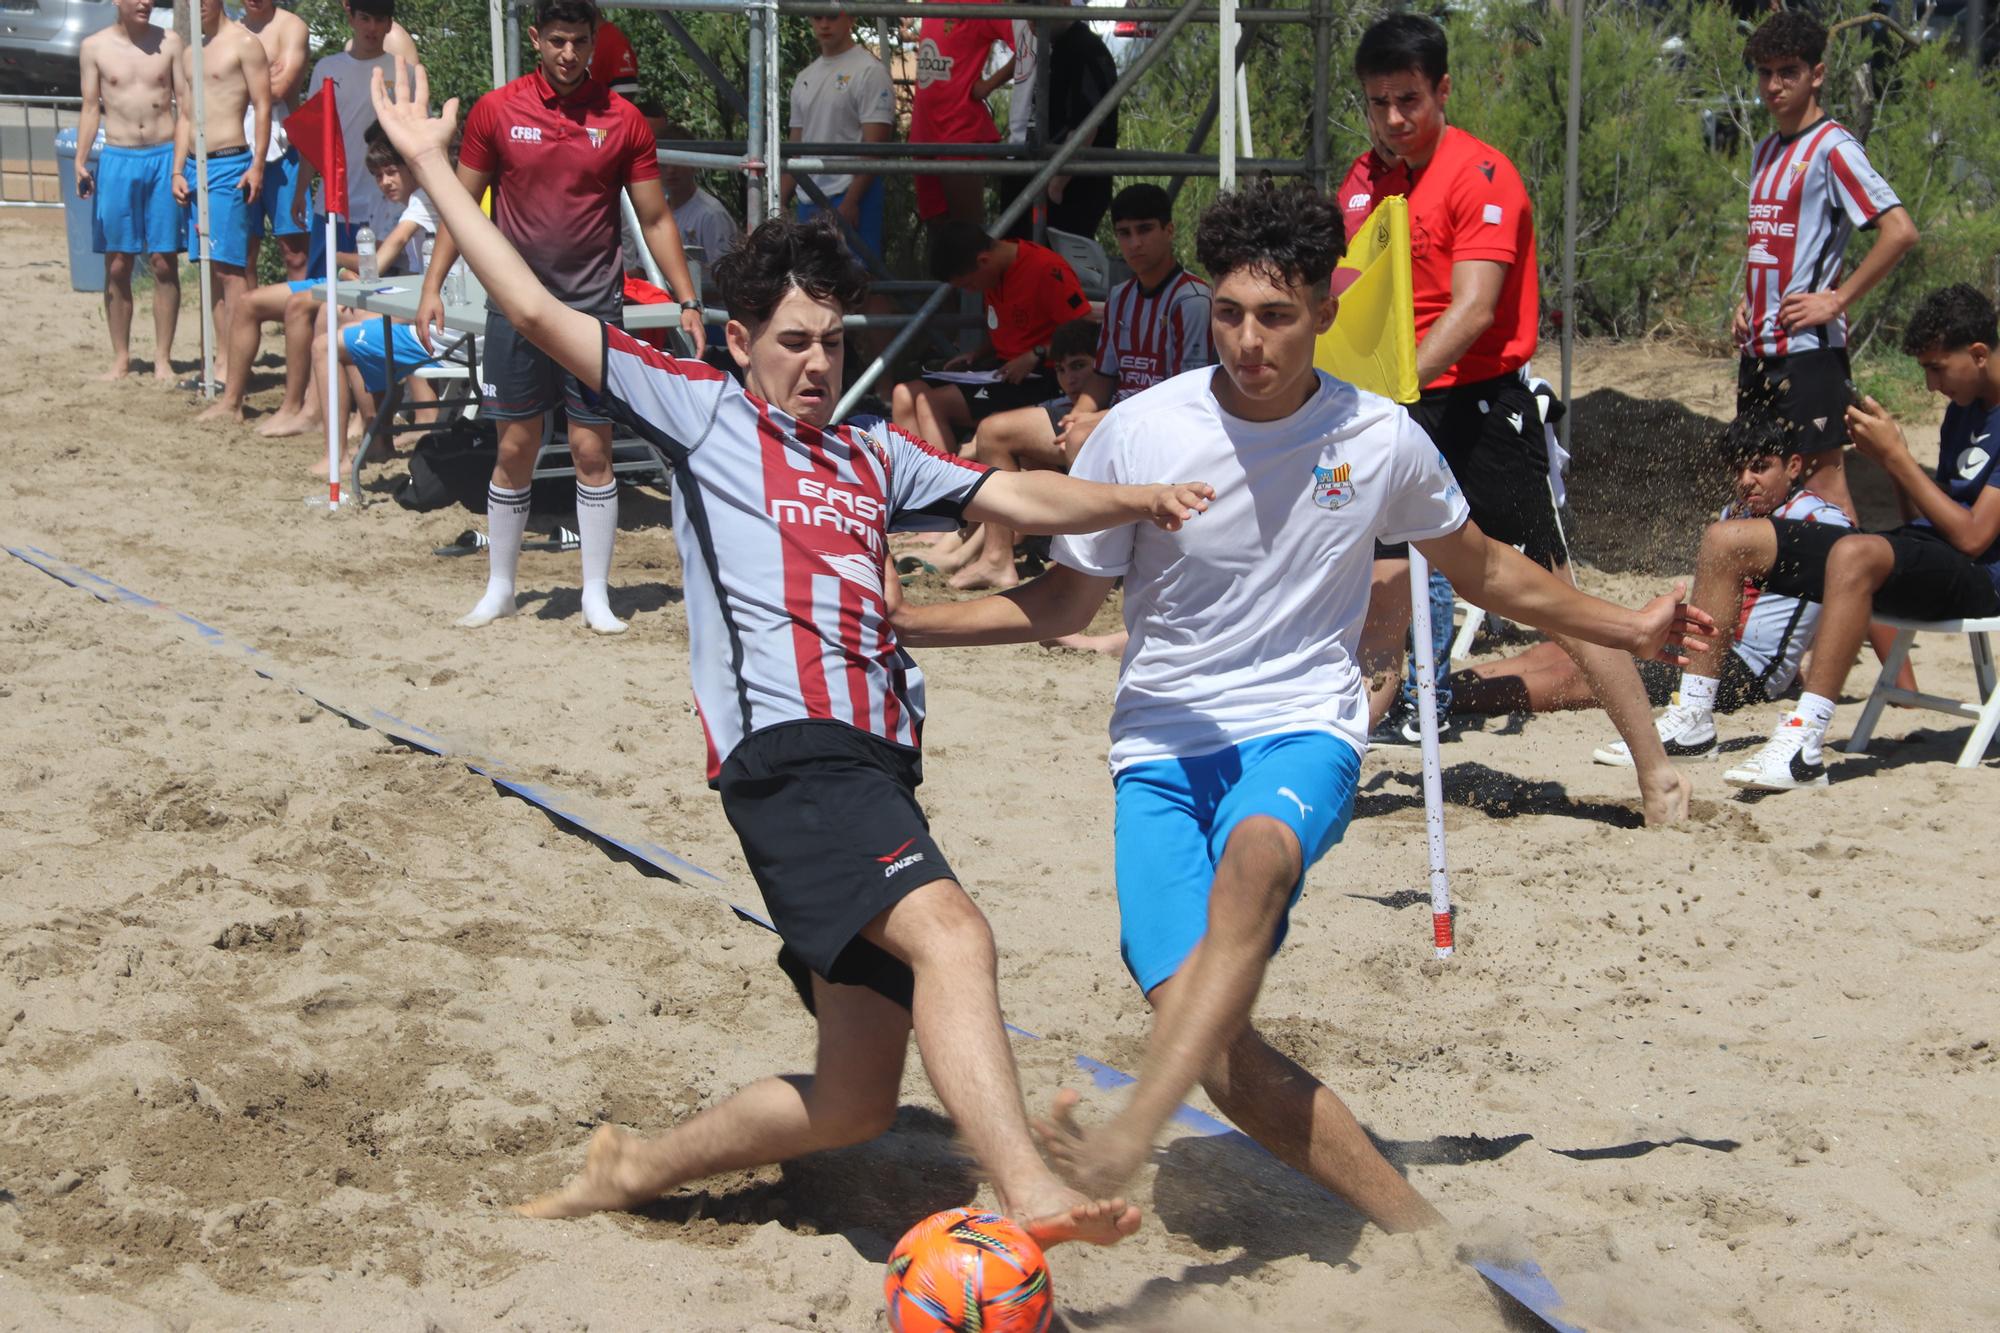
(1500, 579)
(1052, 502)
(575, 340)
(1060, 602)
(1876, 434)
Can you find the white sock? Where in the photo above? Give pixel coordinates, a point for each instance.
(1816, 710)
(597, 531)
(506, 523)
(1698, 695)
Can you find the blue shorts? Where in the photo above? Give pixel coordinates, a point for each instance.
(871, 213)
(364, 348)
(272, 212)
(1175, 817)
(133, 211)
(228, 214)
(343, 240)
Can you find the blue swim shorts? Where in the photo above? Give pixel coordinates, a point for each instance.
(273, 210)
(871, 214)
(1175, 817)
(364, 348)
(228, 213)
(133, 211)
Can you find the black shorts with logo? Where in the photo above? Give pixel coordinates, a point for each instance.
(983, 400)
(1932, 579)
(1491, 436)
(519, 380)
(1808, 389)
(829, 822)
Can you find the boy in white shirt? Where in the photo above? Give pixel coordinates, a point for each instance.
(1241, 718)
(842, 97)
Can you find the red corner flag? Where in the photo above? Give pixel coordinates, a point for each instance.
(314, 130)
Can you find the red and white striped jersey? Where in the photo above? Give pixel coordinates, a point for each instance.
(1808, 192)
(1774, 630)
(782, 532)
(1151, 336)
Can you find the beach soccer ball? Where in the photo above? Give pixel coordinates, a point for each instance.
(966, 1269)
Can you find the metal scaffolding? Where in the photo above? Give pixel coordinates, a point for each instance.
(764, 153)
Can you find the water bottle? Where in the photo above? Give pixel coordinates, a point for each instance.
(364, 249)
(430, 243)
(454, 284)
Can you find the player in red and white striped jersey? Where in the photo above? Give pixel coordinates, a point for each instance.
(1811, 187)
(1155, 326)
(813, 711)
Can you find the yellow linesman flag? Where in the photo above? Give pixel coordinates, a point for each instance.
(1373, 341)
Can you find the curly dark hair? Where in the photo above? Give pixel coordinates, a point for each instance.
(1950, 318)
(1292, 232)
(784, 253)
(1076, 338)
(1755, 434)
(567, 11)
(1787, 34)
(955, 248)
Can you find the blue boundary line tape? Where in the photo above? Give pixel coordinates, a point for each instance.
(1523, 1282)
(673, 866)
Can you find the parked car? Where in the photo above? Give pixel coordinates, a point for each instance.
(39, 40)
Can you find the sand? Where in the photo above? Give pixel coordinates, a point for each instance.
(288, 1012)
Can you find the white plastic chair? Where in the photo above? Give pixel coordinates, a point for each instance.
(1985, 712)
(1086, 258)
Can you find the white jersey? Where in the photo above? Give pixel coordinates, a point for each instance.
(1246, 622)
(781, 529)
(1772, 634)
(1147, 337)
(1808, 192)
(834, 97)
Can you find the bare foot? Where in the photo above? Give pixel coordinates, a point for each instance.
(1110, 645)
(1070, 1216)
(982, 575)
(1097, 1161)
(163, 372)
(220, 410)
(318, 469)
(281, 425)
(600, 1187)
(118, 371)
(1670, 803)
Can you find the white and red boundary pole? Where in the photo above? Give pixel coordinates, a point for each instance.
(333, 424)
(1426, 657)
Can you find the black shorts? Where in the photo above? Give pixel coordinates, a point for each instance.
(1932, 579)
(521, 381)
(983, 400)
(1808, 389)
(1490, 434)
(829, 822)
(1739, 687)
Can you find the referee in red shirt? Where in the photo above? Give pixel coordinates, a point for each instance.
(1478, 309)
(557, 147)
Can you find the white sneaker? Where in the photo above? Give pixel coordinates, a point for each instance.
(1789, 760)
(1683, 734)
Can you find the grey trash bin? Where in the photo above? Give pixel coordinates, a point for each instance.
(86, 266)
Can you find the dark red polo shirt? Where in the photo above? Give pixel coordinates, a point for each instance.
(1468, 203)
(557, 165)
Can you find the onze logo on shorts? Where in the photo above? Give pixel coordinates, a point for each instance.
(896, 860)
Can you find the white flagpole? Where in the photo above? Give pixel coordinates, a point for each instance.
(1426, 657)
(201, 207)
(1226, 74)
(332, 369)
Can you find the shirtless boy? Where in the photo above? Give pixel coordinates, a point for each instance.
(237, 76)
(128, 81)
(283, 34)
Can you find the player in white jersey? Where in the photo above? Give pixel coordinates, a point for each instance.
(1155, 326)
(1811, 186)
(1240, 720)
(812, 710)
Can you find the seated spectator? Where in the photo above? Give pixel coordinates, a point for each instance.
(1029, 292)
(1763, 453)
(401, 251)
(1944, 564)
(1073, 351)
(703, 219)
(1155, 327)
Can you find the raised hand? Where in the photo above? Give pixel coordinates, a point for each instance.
(1669, 628)
(404, 114)
(1175, 503)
